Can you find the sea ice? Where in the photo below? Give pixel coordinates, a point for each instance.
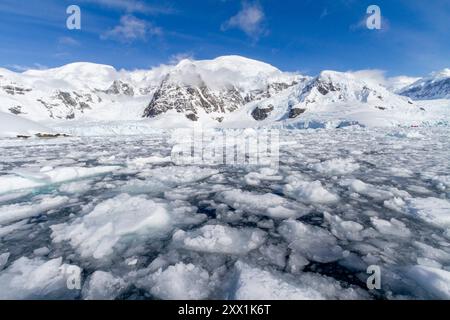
(15, 212)
(181, 282)
(253, 283)
(309, 192)
(432, 210)
(336, 166)
(102, 285)
(315, 243)
(48, 175)
(267, 204)
(220, 239)
(121, 218)
(393, 227)
(435, 281)
(35, 279)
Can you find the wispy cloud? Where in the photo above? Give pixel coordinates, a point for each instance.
(22, 68)
(68, 41)
(133, 6)
(132, 29)
(176, 58)
(379, 77)
(249, 19)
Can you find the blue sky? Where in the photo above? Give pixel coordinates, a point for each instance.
(293, 35)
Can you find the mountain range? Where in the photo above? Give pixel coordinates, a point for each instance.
(226, 90)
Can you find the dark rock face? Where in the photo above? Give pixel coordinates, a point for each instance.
(119, 87)
(13, 90)
(271, 90)
(428, 90)
(16, 110)
(191, 99)
(295, 112)
(70, 101)
(324, 87)
(67, 99)
(260, 114)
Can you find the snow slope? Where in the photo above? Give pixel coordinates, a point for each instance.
(12, 126)
(435, 86)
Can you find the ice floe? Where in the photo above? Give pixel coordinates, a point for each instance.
(102, 285)
(15, 212)
(433, 280)
(309, 192)
(267, 204)
(220, 239)
(21, 179)
(336, 166)
(36, 279)
(315, 243)
(258, 284)
(180, 282)
(432, 210)
(120, 219)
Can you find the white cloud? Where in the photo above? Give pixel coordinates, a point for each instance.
(131, 29)
(176, 58)
(379, 77)
(68, 41)
(22, 68)
(133, 6)
(250, 20)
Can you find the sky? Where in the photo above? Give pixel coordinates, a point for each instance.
(306, 36)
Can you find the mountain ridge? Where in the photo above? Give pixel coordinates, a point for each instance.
(218, 90)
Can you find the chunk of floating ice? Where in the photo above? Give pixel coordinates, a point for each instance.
(102, 285)
(220, 239)
(75, 187)
(309, 192)
(258, 284)
(267, 204)
(400, 172)
(344, 230)
(393, 227)
(13, 196)
(120, 218)
(433, 253)
(336, 166)
(366, 189)
(3, 259)
(15, 212)
(41, 251)
(36, 279)
(181, 282)
(432, 210)
(433, 280)
(264, 174)
(407, 134)
(396, 204)
(142, 162)
(24, 179)
(179, 175)
(315, 243)
(13, 227)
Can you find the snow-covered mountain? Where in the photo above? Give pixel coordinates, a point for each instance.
(435, 86)
(217, 87)
(78, 90)
(228, 91)
(13, 126)
(338, 93)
